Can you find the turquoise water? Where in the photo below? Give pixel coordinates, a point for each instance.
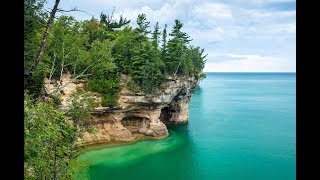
(241, 126)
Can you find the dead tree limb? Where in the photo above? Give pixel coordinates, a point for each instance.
(60, 87)
(45, 35)
(177, 69)
(72, 80)
(52, 69)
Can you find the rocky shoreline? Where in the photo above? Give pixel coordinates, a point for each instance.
(138, 115)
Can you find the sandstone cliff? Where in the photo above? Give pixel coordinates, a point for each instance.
(138, 115)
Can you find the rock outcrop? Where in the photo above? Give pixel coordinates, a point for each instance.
(140, 115)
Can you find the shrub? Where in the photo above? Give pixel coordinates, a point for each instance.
(109, 100)
(81, 106)
(202, 76)
(48, 141)
(132, 86)
(103, 85)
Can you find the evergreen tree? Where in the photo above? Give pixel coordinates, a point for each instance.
(177, 47)
(155, 36)
(34, 23)
(164, 50)
(143, 24)
(164, 40)
(111, 24)
(181, 37)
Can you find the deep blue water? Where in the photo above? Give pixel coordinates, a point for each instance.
(241, 126)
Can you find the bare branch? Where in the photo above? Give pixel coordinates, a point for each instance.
(74, 68)
(80, 75)
(45, 35)
(177, 69)
(52, 69)
(75, 9)
(62, 61)
(114, 8)
(67, 64)
(68, 54)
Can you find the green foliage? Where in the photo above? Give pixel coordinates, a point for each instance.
(109, 24)
(97, 49)
(181, 59)
(202, 76)
(109, 100)
(56, 99)
(103, 85)
(81, 106)
(101, 59)
(34, 23)
(122, 50)
(164, 42)
(48, 141)
(131, 85)
(92, 28)
(143, 24)
(91, 130)
(37, 80)
(155, 36)
(70, 48)
(65, 46)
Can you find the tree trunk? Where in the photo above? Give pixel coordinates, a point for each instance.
(45, 35)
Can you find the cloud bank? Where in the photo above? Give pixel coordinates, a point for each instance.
(238, 35)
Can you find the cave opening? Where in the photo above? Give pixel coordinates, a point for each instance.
(167, 115)
(132, 123)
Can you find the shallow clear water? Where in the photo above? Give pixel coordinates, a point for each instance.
(241, 126)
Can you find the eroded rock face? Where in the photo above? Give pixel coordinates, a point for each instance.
(139, 114)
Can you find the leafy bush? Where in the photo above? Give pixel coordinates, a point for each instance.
(109, 100)
(81, 106)
(48, 141)
(202, 76)
(132, 86)
(38, 80)
(104, 85)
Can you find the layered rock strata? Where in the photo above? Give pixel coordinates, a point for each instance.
(140, 115)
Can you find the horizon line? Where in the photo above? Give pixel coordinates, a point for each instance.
(249, 72)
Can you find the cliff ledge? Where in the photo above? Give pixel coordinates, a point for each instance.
(138, 115)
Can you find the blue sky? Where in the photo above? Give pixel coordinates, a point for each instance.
(237, 35)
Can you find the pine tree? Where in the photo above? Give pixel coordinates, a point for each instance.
(177, 47)
(164, 41)
(181, 37)
(143, 24)
(155, 35)
(111, 24)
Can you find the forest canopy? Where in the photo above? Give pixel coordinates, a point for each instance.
(102, 49)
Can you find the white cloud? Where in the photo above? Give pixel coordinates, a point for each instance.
(212, 10)
(264, 14)
(203, 37)
(164, 15)
(281, 28)
(269, 1)
(243, 27)
(121, 3)
(251, 63)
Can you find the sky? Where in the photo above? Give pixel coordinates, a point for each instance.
(237, 35)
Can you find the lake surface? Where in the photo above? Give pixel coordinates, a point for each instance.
(241, 126)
